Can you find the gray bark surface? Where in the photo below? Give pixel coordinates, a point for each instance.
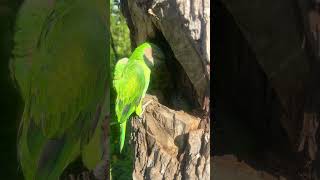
(169, 144)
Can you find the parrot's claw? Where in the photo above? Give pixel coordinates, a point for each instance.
(72, 177)
(140, 119)
(113, 123)
(85, 175)
(145, 106)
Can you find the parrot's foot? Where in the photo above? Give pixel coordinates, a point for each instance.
(140, 119)
(113, 123)
(144, 107)
(72, 177)
(85, 175)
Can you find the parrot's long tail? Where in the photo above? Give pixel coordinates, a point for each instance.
(122, 134)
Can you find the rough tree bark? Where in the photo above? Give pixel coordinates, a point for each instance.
(170, 145)
(173, 144)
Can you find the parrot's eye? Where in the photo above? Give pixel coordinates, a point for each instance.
(157, 53)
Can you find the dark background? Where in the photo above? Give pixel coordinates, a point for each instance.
(247, 111)
(10, 101)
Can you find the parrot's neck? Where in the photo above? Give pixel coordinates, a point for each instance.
(137, 55)
(142, 62)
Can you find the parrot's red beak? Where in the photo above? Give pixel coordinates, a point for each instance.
(149, 56)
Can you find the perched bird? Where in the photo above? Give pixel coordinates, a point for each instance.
(131, 80)
(61, 68)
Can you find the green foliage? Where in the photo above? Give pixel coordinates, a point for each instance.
(119, 32)
(120, 45)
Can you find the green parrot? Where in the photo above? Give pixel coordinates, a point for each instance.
(131, 80)
(60, 66)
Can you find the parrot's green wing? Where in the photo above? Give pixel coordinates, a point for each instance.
(118, 70)
(60, 66)
(129, 88)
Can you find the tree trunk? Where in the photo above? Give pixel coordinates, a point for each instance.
(169, 142)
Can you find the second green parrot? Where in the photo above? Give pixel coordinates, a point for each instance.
(60, 66)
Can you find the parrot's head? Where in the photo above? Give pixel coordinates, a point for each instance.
(151, 54)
